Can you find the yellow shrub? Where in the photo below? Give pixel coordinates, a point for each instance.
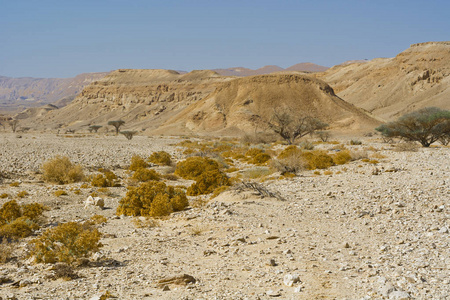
(194, 166)
(19, 221)
(137, 162)
(253, 152)
(342, 157)
(107, 179)
(260, 159)
(67, 242)
(10, 211)
(98, 219)
(22, 194)
(60, 193)
(60, 170)
(19, 228)
(219, 191)
(289, 151)
(14, 184)
(207, 182)
(161, 158)
(317, 159)
(139, 200)
(33, 211)
(4, 195)
(144, 175)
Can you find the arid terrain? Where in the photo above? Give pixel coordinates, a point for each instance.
(376, 227)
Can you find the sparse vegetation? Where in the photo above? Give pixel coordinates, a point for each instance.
(60, 193)
(194, 166)
(116, 124)
(137, 162)
(107, 179)
(153, 199)
(67, 243)
(94, 128)
(60, 170)
(161, 158)
(425, 126)
(291, 127)
(144, 175)
(207, 182)
(19, 221)
(128, 134)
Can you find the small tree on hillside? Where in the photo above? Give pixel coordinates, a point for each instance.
(128, 134)
(116, 124)
(14, 123)
(291, 127)
(425, 126)
(94, 128)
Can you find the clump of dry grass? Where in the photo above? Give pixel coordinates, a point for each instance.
(61, 170)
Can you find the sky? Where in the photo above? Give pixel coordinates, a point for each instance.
(60, 38)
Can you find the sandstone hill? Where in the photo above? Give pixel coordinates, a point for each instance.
(29, 92)
(389, 87)
(166, 102)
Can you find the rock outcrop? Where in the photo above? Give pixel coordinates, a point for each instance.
(389, 87)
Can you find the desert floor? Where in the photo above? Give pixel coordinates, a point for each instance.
(366, 231)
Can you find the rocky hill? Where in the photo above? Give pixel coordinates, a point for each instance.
(389, 87)
(163, 101)
(29, 92)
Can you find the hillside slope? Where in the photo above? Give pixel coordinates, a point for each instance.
(389, 87)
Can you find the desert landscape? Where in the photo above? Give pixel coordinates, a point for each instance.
(304, 182)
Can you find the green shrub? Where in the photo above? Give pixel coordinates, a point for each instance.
(194, 166)
(161, 158)
(67, 242)
(207, 182)
(144, 175)
(139, 201)
(137, 162)
(60, 170)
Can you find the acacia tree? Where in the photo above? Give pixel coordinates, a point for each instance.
(116, 124)
(128, 134)
(291, 127)
(425, 126)
(14, 123)
(94, 128)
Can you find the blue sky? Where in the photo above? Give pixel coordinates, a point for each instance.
(59, 38)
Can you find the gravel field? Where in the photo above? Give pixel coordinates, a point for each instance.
(363, 232)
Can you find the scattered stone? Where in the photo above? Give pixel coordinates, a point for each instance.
(184, 279)
(290, 279)
(272, 293)
(399, 295)
(94, 201)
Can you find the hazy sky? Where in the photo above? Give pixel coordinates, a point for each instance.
(63, 38)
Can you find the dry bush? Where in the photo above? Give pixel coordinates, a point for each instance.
(161, 158)
(68, 242)
(153, 199)
(137, 162)
(219, 191)
(194, 166)
(355, 142)
(317, 159)
(60, 170)
(14, 184)
(306, 145)
(327, 172)
(4, 195)
(207, 182)
(98, 219)
(342, 157)
(6, 251)
(378, 155)
(145, 223)
(406, 147)
(289, 161)
(19, 221)
(63, 271)
(359, 154)
(107, 179)
(60, 193)
(143, 175)
(171, 177)
(260, 159)
(257, 172)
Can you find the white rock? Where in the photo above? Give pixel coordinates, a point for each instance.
(94, 201)
(399, 295)
(290, 279)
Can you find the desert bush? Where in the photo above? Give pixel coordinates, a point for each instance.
(342, 157)
(139, 201)
(22, 194)
(97, 219)
(137, 162)
(219, 191)
(207, 182)
(107, 179)
(257, 172)
(60, 193)
(64, 272)
(6, 251)
(306, 145)
(161, 158)
(317, 159)
(128, 134)
(60, 170)
(324, 136)
(67, 242)
(406, 147)
(4, 195)
(355, 142)
(425, 126)
(19, 221)
(260, 159)
(144, 175)
(14, 184)
(360, 154)
(171, 177)
(289, 161)
(194, 166)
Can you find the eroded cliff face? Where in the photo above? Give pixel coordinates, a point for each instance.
(389, 87)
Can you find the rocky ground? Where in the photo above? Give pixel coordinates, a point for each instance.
(363, 232)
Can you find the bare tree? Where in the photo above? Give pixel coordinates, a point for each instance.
(291, 127)
(116, 124)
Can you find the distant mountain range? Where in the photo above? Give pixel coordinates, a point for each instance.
(241, 71)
